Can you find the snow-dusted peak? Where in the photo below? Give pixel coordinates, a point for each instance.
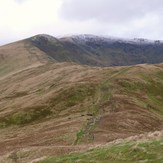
(83, 38)
(93, 38)
(45, 37)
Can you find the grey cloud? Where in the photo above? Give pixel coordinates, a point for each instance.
(109, 10)
(122, 18)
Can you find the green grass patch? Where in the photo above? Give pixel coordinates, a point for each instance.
(24, 117)
(105, 91)
(131, 85)
(160, 75)
(79, 136)
(73, 96)
(127, 153)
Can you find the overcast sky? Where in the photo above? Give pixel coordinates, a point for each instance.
(121, 18)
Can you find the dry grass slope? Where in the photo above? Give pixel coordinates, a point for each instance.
(49, 108)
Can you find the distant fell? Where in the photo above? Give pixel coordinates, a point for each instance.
(100, 51)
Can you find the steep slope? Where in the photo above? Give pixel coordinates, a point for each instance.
(100, 51)
(20, 55)
(63, 51)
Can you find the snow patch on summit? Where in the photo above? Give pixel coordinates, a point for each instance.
(82, 39)
(44, 36)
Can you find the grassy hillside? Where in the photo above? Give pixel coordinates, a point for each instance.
(20, 55)
(148, 151)
(71, 105)
(52, 108)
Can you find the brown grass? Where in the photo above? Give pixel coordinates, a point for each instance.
(105, 103)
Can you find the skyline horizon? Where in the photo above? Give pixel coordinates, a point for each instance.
(78, 34)
(124, 18)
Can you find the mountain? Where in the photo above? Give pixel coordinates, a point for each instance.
(53, 106)
(100, 51)
(20, 55)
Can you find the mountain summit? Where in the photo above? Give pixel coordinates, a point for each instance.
(86, 50)
(99, 50)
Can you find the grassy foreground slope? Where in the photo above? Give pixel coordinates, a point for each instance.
(58, 108)
(148, 151)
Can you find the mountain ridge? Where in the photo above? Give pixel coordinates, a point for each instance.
(94, 50)
(100, 51)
